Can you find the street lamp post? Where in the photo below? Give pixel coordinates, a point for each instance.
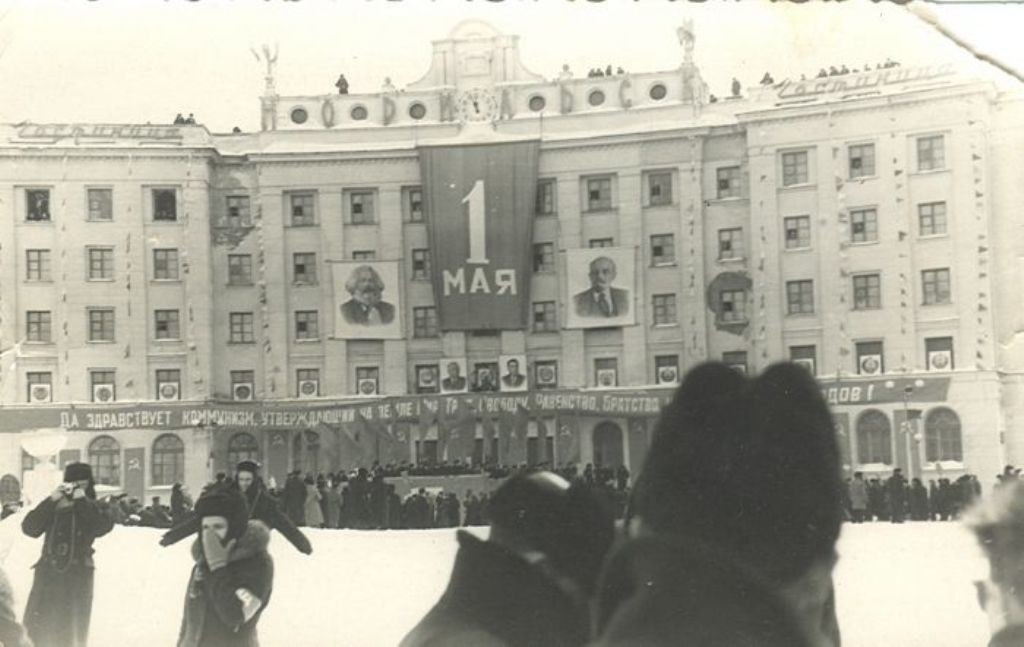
(907, 391)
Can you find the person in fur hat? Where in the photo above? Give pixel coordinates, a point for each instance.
(531, 581)
(60, 604)
(260, 504)
(233, 575)
(733, 520)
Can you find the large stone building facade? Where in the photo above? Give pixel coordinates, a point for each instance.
(168, 295)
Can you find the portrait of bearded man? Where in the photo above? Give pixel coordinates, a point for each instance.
(366, 307)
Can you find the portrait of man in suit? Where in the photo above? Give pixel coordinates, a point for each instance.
(454, 381)
(366, 308)
(601, 299)
(512, 379)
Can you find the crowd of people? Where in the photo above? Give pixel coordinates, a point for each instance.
(190, 120)
(598, 72)
(729, 536)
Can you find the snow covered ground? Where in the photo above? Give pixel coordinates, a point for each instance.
(896, 585)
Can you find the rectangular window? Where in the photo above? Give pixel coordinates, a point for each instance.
(599, 193)
(805, 356)
(606, 372)
(165, 264)
(939, 353)
(364, 255)
(43, 379)
(545, 198)
(365, 377)
(105, 378)
(165, 205)
(303, 207)
(168, 324)
(307, 382)
(428, 378)
(545, 374)
(414, 204)
(168, 381)
(870, 358)
(426, 452)
(862, 160)
(307, 325)
(545, 316)
(931, 153)
(37, 265)
(421, 265)
(864, 225)
(238, 211)
(543, 257)
(602, 242)
(239, 378)
(38, 326)
(239, 269)
(931, 217)
(736, 360)
(361, 207)
(794, 168)
(304, 267)
(798, 232)
(424, 322)
(935, 286)
(101, 204)
(728, 182)
(800, 297)
(664, 309)
(663, 249)
(734, 305)
(730, 243)
(101, 324)
(37, 205)
(101, 263)
(659, 188)
(241, 328)
(867, 292)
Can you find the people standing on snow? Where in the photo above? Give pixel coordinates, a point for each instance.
(858, 497)
(734, 519)
(531, 581)
(233, 576)
(260, 504)
(60, 604)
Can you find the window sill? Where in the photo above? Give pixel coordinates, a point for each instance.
(544, 332)
(361, 224)
(738, 259)
(241, 343)
(871, 309)
(39, 281)
(167, 340)
(863, 178)
(797, 187)
(99, 280)
(727, 199)
(37, 222)
(937, 305)
(36, 342)
(165, 281)
(301, 225)
(667, 205)
(864, 243)
(610, 211)
(797, 250)
(664, 264)
(801, 315)
(732, 322)
(311, 340)
(165, 222)
(239, 285)
(665, 325)
(304, 284)
(99, 220)
(927, 237)
(101, 341)
(933, 171)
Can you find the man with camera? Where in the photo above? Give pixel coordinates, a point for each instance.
(60, 604)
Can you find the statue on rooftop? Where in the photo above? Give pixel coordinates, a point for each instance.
(270, 60)
(687, 38)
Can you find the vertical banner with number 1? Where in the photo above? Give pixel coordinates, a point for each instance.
(479, 201)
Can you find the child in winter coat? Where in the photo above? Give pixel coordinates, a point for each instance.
(233, 575)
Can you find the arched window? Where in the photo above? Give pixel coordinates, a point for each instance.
(306, 452)
(10, 489)
(105, 459)
(874, 438)
(243, 447)
(942, 436)
(168, 460)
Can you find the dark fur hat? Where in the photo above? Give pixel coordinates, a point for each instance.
(749, 465)
(227, 502)
(248, 466)
(77, 472)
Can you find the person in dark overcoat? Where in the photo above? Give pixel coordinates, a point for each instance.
(180, 503)
(233, 575)
(530, 582)
(918, 501)
(60, 603)
(260, 504)
(295, 498)
(896, 489)
(733, 521)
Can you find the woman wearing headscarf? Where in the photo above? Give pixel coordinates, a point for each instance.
(233, 575)
(60, 603)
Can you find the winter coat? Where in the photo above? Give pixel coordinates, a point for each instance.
(11, 633)
(314, 517)
(496, 598)
(332, 499)
(295, 499)
(216, 601)
(60, 604)
(262, 507)
(663, 590)
(858, 494)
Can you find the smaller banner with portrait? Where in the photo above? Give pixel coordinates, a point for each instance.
(600, 287)
(366, 298)
(513, 373)
(454, 378)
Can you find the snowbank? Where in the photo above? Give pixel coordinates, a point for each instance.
(896, 585)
